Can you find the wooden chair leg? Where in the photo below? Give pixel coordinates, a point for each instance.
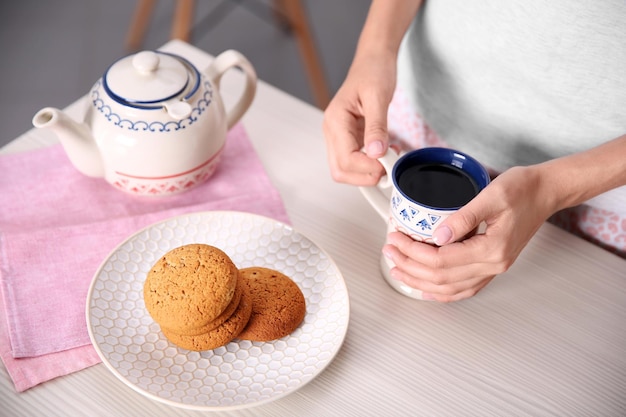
(292, 10)
(183, 19)
(139, 24)
(297, 18)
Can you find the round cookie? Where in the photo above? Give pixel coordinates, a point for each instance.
(222, 334)
(230, 309)
(278, 305)
(190, 286)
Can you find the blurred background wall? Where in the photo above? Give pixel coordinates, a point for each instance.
(53, 51)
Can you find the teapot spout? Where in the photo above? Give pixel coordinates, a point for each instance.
(76, 138)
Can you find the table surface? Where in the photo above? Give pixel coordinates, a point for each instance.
(545, 338)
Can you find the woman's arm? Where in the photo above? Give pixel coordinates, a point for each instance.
(387, 22)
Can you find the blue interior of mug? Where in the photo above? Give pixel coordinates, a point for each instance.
(444, 156)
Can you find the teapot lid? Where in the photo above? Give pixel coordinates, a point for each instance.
(149, 77)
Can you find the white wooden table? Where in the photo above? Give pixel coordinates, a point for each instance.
(547, 338)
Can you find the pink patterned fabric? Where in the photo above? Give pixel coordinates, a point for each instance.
(57, 226)
(601, 227)
(604, 228)
(407, 129)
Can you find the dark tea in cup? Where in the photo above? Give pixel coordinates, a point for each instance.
(437, 185)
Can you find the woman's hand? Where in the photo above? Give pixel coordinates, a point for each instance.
(356, 119)
(513, 207)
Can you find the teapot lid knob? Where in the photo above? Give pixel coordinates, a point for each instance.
(146, 62)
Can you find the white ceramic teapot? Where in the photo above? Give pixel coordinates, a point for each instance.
(155, 125)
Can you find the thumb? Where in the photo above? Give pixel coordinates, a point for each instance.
(375, 135)
(459, 224)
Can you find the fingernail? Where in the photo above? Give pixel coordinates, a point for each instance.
(375, 148)
(387, 253)
(428, 296)
(442, 235)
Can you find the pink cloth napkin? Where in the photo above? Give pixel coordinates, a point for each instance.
(57, 226)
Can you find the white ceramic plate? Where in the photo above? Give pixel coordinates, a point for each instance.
(242, 373)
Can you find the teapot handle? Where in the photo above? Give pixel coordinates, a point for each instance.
(222, 63)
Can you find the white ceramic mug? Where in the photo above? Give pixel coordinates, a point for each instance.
(400, 204)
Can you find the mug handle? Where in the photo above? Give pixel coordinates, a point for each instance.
(222, 63)
(374, 195)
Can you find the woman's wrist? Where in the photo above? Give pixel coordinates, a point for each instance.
(573, 179)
